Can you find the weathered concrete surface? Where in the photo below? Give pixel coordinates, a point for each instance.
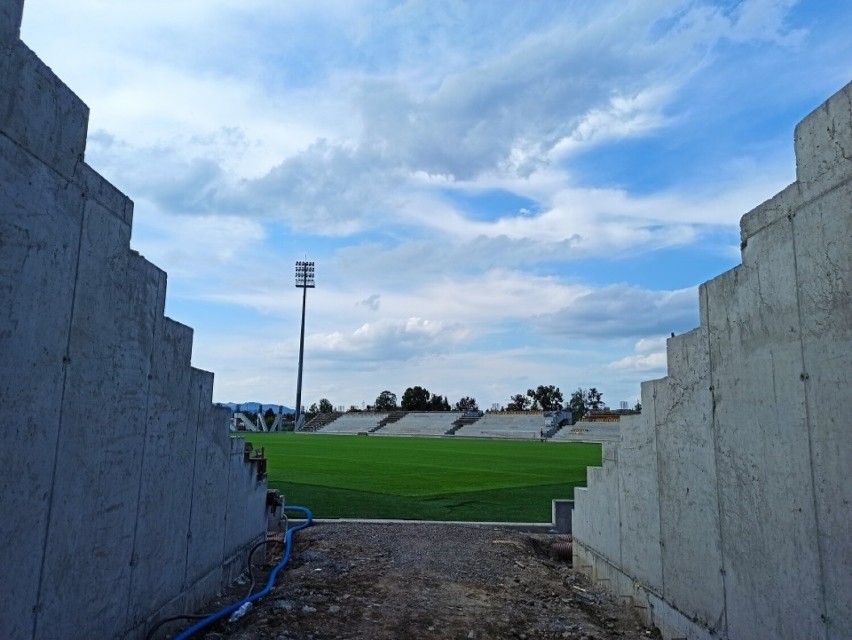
(738, 467)
(687, 479)
(121, 495)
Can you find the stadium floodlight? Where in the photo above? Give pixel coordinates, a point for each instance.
(304, 280)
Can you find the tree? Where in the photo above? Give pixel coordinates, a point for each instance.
(313, 409)
(415, 399)
(582, 401)
(466, 404)
(518, 402)
(547, 398)
(438, 403)
(594, 399)
(577, 404)
(325, 406)
(638, 406)
(269, 417)
(386, 401)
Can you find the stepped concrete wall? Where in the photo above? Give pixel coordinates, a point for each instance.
(725, 510)
(122, 497)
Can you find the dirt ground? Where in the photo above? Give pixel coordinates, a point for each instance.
(401, 581)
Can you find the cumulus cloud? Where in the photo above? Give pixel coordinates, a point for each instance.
(649, 358)
(388, 340)
(250, 134)
(463, 104)
(620, 311)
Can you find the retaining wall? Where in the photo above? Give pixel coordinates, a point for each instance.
(725, 510)
(122, 497)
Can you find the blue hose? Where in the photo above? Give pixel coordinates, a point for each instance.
(288, 540)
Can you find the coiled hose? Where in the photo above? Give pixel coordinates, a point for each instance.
(288, 542)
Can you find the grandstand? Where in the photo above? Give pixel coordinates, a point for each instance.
(320, 420)
(421, 423)
(589, 432)
(526, 425)
(354, 422)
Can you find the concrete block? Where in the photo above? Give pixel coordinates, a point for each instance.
(771, 566)
(166, 488)
(97, 188)
(39, 243)
(639, 501)
(600, 506)
(90, 535)
(823, 232)
(10, 20)
(246, 511)
(776, 208)
(41, 114)
(689, 510)
(210, 485)
(823, 142)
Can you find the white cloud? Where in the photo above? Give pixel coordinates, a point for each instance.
(387, 340)
(195, 246)
(250, 134)
(649, 358)
(619, 311)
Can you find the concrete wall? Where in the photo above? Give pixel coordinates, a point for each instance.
(725, 510)
(122, 498)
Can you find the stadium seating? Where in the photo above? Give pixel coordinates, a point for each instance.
(421, 423)
(354, 422)
(525, 425)
(589, 432)
(321, 420)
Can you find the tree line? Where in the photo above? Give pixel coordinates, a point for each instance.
(542, 398)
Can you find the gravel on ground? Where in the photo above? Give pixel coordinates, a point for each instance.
(404, 581)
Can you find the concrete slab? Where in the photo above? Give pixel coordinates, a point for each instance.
(166, 489)
(245, 518)
(689, 509)
(771, 567)
(40, 113)
(38, 264)
(602, 520)
(98, 473)
(823, 234)
(823, 143)
(210, 485)
(639, 498)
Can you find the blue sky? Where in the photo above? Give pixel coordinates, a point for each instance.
(497, 194)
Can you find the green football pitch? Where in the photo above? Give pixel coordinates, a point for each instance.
(424, 478)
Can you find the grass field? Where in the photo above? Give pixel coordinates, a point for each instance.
(424, 478)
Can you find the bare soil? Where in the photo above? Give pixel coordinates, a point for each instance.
(401, 581)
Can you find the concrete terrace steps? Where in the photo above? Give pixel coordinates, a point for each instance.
(321, 420)
(590, 432)
(393, 416)
(123, 470)
(462, 422)
(722, 509)
(354, 422)
(421, 423)
(526, 425)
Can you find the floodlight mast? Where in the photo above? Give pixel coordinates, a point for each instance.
(304, 281)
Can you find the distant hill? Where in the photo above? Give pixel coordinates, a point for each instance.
(253, 406)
